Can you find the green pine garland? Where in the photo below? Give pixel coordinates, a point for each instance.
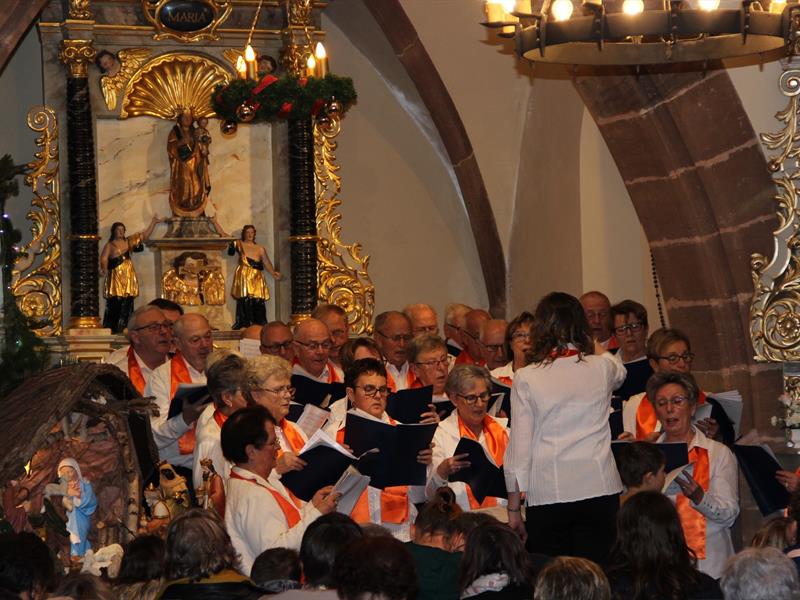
(287, 97)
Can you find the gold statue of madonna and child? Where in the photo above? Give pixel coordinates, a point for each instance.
(188, 149)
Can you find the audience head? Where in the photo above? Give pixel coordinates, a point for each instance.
(193, 339)
(322, 542)
(277, 340)
(670, 350)
(226, 380)
(492, 340)
(469, 388)
(276, 570)
(473, 322)
(251, 332)
(312, 345)
(494, 548)
(198, 545)
(434, 523)
(793, 512)
(269, 380)
(597, 309)
(463, 524)
(365, 383)
(674, 397)
(778, 532)
(358, 348)
(375, 567)
(84, 586)
(455, 319)
(143, 560)
(629, 320)
(392, 333)
(423, 319)
(640, 466)
(519, 339)
(335, 318)
(150, 333)
(573, 578)
(427, 355)
(26, 565)
(760, 574)
(172, 310)
(248, 438)
(559, 322)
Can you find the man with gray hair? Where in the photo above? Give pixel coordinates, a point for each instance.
(760, 574)
(455, 318)
(150, 334)
(423, 319)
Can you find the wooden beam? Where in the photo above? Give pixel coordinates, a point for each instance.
(15, 19)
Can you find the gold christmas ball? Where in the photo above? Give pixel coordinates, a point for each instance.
(334, 107)
(246, 112)
(228, 127)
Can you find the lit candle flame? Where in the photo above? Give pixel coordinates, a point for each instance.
(249, 53)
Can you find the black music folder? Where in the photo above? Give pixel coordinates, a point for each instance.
(498, 387)
(759, 467)
(676, 454)
(406, 406)
(188, 392)
(309, 391)
(483, 476)
(398, 445)
(615, 423)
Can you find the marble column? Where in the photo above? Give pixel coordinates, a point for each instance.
(303, 218)
(83, 238)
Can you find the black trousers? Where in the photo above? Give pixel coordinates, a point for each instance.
(118, 311)
(586, 528)
(250, 311)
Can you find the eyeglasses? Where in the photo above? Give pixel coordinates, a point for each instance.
(314, 346)
(426, 329)
(277, 347)
(493, 348)
(673, 359)
(473, 398)
(370, 391)
(156, 327)
(200, 338)
(676, 401)
(284, 390)
(521, 335)
(628, 327)
(438, 362)
(400, 337)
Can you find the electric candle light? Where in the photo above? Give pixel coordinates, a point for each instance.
(494, 11)
(241, 67)
(561, 10)
(321, 58)
(777, 6)
(311, 66)
(633, 7)
(523, 6)
(508, 8)
(250, 59)
(708, 5)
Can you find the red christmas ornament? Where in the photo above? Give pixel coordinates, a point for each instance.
(286, 108)
(264, 84)
(317, 107)
(302, 81)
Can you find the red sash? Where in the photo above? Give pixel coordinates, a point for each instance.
(496, 442)
(135, 371)
(293, 437)
(219, 418)
(646, 419)
(288, 509)
(179, 373)
(694, 523)
(464, 358)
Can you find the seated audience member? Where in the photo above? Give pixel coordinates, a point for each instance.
(201, 562)
(423, 319)
(469, 389)
(668, 350)
(375, 567)
(454, 322)
(629, 320)
(709, 500)
(142, 570)
(427, 355)
(574, 578)
(150, 336)
(367, 391)
(760, 574)
(471, 355)
(597, 308)
(276, 570)
(495, 565)
(392, 333)
(518, 342)
(358, 348)
(335, 318)
(277, 340)
(312, 346)
(27, 569)
(778, 532)
(491, 339)
(641, 468)
(227, 378)
(437, 566)
(270, 385)
(260, 513)
(463, 524)
(651, 558)
(322, 542)
(83, 586)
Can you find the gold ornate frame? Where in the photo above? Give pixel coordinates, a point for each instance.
(221, 9)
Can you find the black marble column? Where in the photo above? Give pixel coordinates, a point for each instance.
(303, 227)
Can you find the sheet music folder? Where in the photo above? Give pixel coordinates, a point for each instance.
(188, 392)
(324, 466)
(315, 392)
(398, 445)
(406, 406)
(759, 467)
(483, 476)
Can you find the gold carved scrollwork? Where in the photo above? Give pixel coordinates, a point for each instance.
(79, 9)
(219, 9)
(775, 310)
(77, 55)
(36, 278)
(299, 12)
(342, 273)
(173, 82)
(297, 44)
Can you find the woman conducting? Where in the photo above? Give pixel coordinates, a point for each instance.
(559, 452)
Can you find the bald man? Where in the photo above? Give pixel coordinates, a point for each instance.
(392, 333)
(423, 319)
(277, 340)
(455, 319)
(472, 353)
(492, 340)
(192, 335)
(597, 308)
(312, 345)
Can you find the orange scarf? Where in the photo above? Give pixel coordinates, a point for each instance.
(333, 376)
(506, 380)
(613, 343)
(219, 418)
(394, 499)
(496, 442)
(288, 509)
(135, 371)
(179, 373)
(411, 380)
(293, 437)
(646, 419)
(563, 353)
(464, 358)
(694, 523)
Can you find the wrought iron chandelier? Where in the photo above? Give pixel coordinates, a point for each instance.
(643, 32)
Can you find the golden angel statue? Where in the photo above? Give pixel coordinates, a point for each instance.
(190, 184)
(117, 71)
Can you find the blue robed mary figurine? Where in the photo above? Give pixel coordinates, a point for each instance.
(80, 502)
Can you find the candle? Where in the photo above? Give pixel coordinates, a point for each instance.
(494, 11)
(311, 66)
(508, 8)
(250, 60)
(241, 67)
(523, 6)
(321, 57)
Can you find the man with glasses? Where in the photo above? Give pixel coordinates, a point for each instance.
(455, 319)
(427, 355)
(492, 342)
(597, 308)
(630, 329)
(423, 319)
(392, 333)
(312, 346)
(277, 340)
(150, 335)
(471, 333)
(335, 318)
